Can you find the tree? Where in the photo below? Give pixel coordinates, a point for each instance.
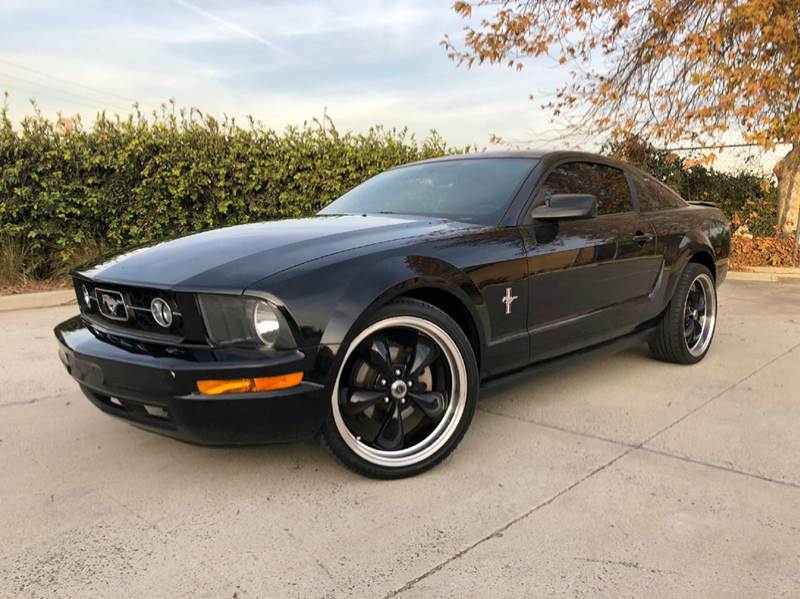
(673, 71)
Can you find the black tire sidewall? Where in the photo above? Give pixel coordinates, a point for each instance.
(419, 309)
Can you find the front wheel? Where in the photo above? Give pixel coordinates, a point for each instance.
(404, 394)
(687, 327)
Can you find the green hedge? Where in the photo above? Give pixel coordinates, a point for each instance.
(67, 195)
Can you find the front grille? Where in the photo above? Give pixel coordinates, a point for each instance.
(124, 308)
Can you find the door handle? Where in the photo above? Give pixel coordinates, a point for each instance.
(642, 238)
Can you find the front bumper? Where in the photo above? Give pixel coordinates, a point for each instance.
(158, 390)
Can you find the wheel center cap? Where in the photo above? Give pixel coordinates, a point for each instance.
(398, 389)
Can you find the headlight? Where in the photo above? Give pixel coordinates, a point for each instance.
(239, 320)
(265, 319)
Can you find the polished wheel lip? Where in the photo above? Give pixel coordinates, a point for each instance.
(451, 418)
(707, 319)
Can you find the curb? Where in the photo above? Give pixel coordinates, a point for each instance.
(763, 276)
(790, 271)
(41, 299)
(766, 277)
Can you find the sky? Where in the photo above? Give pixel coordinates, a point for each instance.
(362, 63)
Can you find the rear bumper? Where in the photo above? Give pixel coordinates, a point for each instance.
(722, 270)
(159, 392)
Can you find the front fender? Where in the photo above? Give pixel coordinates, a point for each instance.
(327, 297)
(396, 276)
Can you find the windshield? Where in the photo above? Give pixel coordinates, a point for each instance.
(475, 190)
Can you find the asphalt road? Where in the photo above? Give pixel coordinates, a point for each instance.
(620, 476)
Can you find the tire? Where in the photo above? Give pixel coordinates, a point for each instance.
(404, 391)
(686, 329)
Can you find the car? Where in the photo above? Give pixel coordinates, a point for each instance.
(374, 324)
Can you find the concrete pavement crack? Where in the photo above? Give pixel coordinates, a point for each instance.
(639, 447)
(24, 402)
(131, 511)
(562, 429)
(497, 532)
(624, 564)
(720, 394)
(628, 449)
(683, 458)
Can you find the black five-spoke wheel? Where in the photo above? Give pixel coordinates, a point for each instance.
(403, 391)
(397, 389)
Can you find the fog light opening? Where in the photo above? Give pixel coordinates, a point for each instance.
(156, 411)
(251, 385)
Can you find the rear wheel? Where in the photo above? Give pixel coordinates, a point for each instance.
(687, 327)
(404, 394)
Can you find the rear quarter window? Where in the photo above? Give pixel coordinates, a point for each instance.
(655, 196)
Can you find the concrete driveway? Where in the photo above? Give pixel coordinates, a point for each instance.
(617, 477)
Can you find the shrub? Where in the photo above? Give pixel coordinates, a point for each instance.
(67, 194)
(13, 258)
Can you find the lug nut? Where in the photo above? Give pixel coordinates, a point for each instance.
(397, 371)
(403, 400)
(383, 381)
(385, 400)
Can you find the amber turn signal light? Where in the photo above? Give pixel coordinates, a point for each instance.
(265, 383)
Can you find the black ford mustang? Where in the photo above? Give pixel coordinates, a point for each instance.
(375, 321)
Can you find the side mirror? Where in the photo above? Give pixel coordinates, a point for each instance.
(562, 206)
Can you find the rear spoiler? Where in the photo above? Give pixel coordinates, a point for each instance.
(708, 203)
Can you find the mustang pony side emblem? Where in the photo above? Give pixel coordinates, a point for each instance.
(507, 299)
(112, 305)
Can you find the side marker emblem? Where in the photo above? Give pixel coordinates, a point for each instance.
(507, 299)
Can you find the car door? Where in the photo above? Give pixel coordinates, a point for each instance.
(589, 279)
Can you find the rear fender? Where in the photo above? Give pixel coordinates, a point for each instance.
(694, 241)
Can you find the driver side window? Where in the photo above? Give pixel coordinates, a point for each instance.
(608, 184)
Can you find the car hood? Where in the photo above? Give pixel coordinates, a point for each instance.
(233, 258)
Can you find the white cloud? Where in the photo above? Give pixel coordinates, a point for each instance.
(231, 26)
(370, 62)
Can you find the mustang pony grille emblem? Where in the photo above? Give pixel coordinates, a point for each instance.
(112, 304)
(507, 299)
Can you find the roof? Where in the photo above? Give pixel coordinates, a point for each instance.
(479, 155)
(537, 154)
